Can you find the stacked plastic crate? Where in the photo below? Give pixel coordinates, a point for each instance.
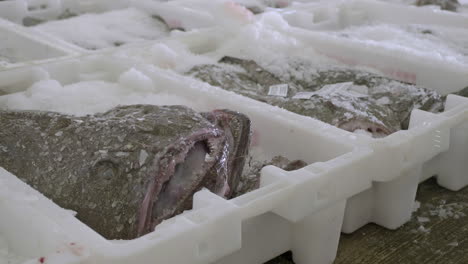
(351, 179)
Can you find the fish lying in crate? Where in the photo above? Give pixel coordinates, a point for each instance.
(349, 99)
(449, 5)
(110, 29)
(126, 170)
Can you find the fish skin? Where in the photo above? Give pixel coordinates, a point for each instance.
(29, 21)
(240, 135)
(339, 108)
(258, 7)
(111, 167)
(463, 92)
(449, 5)
(251, 175)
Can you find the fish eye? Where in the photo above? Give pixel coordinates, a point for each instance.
(105, 169)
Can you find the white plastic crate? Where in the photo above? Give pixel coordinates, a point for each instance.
(18, 10)
(206, 236)
(300, 211)
(407, 157)
(351, 179)
(425, 66)
(122, 22)
(403, 158)
(19, 48)
(73, 35)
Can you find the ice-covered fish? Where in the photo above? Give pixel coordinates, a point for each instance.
(110, 29)
(259, 6)
(450, 5)
(30, 21)
(4, 58)
(463, 92)
(250, 179)
(346, 98)
(126, 170)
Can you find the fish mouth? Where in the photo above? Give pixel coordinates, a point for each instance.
(211, 158)
(236, 127)
(377, 130)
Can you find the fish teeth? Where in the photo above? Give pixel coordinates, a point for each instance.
(209, 158)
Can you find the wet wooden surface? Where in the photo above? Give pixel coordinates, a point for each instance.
(436, 234)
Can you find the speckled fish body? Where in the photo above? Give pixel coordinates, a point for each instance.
(349, 99)
(126, 170)
(251, 175)
(258, 7)
(463, 92)
(29, 21)
(449, 5)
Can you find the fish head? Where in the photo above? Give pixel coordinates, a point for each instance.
(212, 157)
(228, 170)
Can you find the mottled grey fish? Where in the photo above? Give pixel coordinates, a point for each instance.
(250, 179)
(29, 21)
(258, 7)
(126, 170)
(450, 5)
(346, 98)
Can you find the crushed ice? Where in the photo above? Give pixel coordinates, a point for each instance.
(85, 97)
(88, 97)
(109, 29)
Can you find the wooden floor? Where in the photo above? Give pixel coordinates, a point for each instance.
(436, 234)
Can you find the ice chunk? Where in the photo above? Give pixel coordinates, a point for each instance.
(423, 219)
(416, 206)
(422, 229)
(363, 132)
(143, 156)
(7, 255)
(193, 14)
(90, 97)
(137, 80)
(110, 29)
(167, 57)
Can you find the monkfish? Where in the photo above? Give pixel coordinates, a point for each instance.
(347, 98)
(126, 170)
(449, 5)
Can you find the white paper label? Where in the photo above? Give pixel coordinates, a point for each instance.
(279, 90)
